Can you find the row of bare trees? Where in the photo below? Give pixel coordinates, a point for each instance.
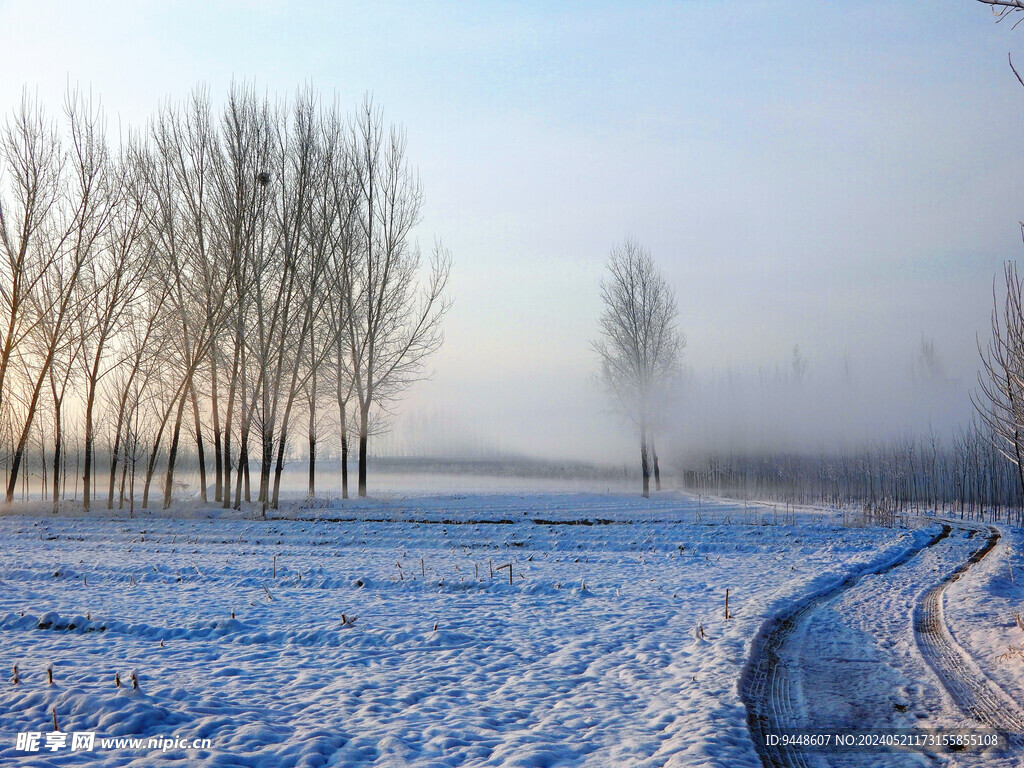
(222, 280)
(966, 476)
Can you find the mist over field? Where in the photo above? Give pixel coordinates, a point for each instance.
(841, 181)
(832, 408)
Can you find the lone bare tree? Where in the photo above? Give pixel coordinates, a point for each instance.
(639, 343)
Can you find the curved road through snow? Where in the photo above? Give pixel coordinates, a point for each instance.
(874, 654)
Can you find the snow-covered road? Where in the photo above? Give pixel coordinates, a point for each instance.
(874, 656)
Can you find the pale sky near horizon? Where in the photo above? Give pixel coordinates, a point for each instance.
(840, 175)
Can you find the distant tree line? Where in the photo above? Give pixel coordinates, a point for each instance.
(221, 281)
(968, 476)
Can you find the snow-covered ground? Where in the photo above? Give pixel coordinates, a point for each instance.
(871, 659)
(981, 611)
(592, 655)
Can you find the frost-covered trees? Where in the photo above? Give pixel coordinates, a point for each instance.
(220, 275)
(1000, 398)
(639, 344)
(51, 247)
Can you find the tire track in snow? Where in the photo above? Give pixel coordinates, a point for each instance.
(765, 684)
(974, 694)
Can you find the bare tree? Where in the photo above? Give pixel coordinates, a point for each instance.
(928, 368)
(305, 243)
(798, 364)
(84, 204)
(393, 324)
(330, 240)
(244, 187)
(342, 205)
(112, 283)
(1000, 397)
(639, 344)
(199, 285)
(32, 161)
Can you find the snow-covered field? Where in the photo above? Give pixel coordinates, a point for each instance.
(592, 655)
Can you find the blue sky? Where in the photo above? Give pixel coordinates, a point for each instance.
(844, 176)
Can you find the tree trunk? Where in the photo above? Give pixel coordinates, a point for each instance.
(344, 462)
(279, 466)
(43, 480)
(281, 443)
(226, 498)
(199, 441)
(266, 459)
(645, 467)
(19, 451)
(229, 415)
(89, 437)
(242, 471)
(242, 467)
(119, 436)
(364, 429)
(150, 468)
(342, 413)
(172, 451)
(64, 476)
(657, 469)
(124, 474)
(114, 458)
(57, 450)
(311, 487)
(131, 487)
(362, 463)
(218, 460)
(92, 381)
